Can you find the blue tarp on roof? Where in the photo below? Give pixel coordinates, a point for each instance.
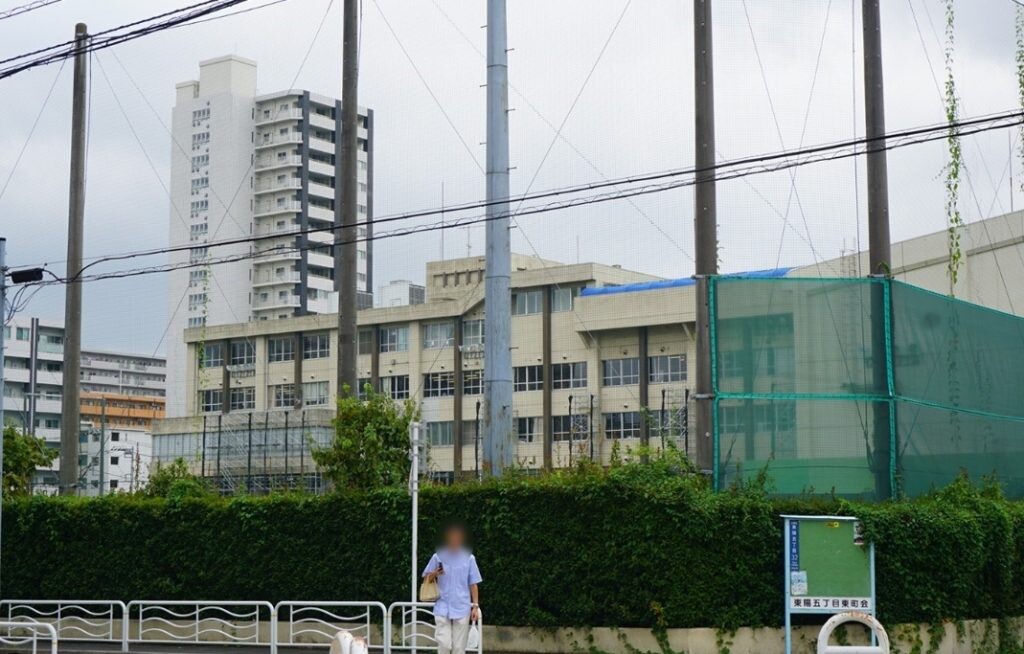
(674, 283)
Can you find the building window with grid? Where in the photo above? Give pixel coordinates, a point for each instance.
(242, 399)
(525, 303)
(438, 334)
(562, 298)
(528, 429)
(242, 353)
(439, 384)
(473, 332)
(315, 393)
(440, 434)
(213, 355)
(281, 349)
(210, 400)
(283, 395)
(394, 339)
(622, 424)
(565, 427)
(528, 378)
(620, 372)
(569, 375)
(365, 341)
(397, 387)
(666, 368)
(472, 382)
(316, 346)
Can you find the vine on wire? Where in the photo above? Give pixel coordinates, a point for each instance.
(953, 167)
(1019, 30)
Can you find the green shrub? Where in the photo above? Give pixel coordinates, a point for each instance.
(630, 546)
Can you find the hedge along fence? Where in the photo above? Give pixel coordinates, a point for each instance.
(618, 549)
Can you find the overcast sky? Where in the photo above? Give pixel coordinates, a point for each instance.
(634, 115)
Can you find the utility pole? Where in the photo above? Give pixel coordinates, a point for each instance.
(3, 319)
(347, 329)
(705, 222)
(880, 256)
(69, 414)
(878, 170)
(499, 441)
(103, 442)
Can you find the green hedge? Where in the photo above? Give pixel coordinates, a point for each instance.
(626, 548)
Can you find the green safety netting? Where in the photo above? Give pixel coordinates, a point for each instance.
(863, 387)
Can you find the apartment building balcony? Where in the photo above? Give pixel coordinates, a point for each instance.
(321, 121)
(279, 116)
(16, 375)
(321, 145)
(321, 213)
(321, 190)
(271, 208)
(268, 163)
(271, 185)
(279, 139)
(275, 301)
(282, 254)
(289, 227)
(272, 279)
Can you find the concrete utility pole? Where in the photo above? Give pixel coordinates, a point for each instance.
(878, 170)
(69, 414)
(3, 319)
(347, 329)
(499, 441)
(705, 221)
(880, 256)
(103, 442)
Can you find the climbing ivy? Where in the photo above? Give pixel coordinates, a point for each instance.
(1019, 30)
(955, 164)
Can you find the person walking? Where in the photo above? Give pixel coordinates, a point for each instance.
(454, 569)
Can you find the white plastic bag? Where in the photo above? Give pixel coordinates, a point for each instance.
(342, 643)
(473, 640)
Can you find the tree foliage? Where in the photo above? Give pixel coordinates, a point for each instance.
(370, 448)
(23, 455)
(175, 481)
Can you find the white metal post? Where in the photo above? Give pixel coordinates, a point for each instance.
(414, 490)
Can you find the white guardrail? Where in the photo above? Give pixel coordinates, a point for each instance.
(415, 628)
(210, 623)
(312, 623)
(399, 628)
(28, 632)
(76, 620)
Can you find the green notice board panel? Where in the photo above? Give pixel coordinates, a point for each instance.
(829, 566)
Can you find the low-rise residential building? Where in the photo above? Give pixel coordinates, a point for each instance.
(119, 391)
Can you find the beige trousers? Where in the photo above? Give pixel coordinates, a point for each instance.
(451, 635)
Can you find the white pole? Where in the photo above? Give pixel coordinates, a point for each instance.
(3, 320)
(414, 489)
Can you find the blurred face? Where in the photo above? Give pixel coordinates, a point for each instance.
(454, 538)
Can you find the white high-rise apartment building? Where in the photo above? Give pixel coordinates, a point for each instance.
(267, 165)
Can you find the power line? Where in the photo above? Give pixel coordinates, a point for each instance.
(894, 141)
(31, 131)
(24, 9)
(111, 37)
(419, 74)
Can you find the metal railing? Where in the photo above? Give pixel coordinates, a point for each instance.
(209, 623)
(415, 630)
(316, 623)
(89, 620)
(28, 632)
(399, 628)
